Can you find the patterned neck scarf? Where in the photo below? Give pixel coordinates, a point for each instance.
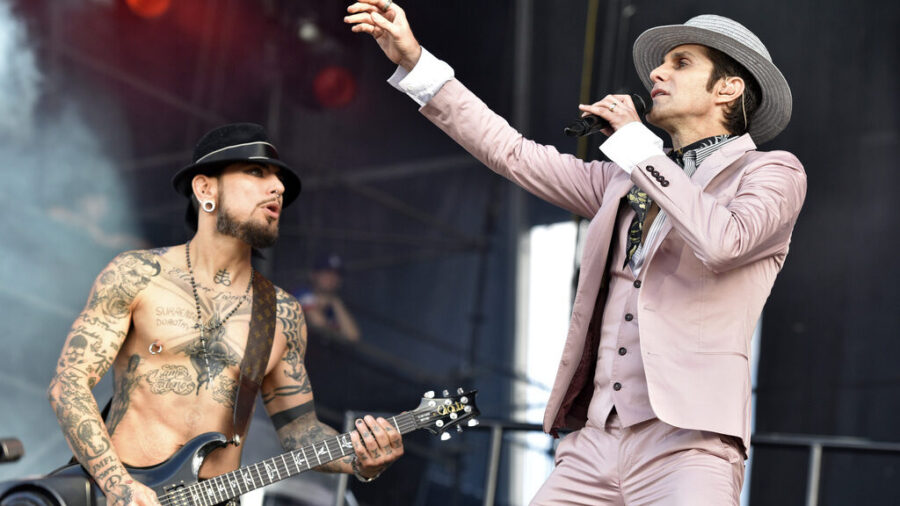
(696, 153)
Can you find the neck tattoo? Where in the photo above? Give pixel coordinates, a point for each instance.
(223, 277)
(206, 330)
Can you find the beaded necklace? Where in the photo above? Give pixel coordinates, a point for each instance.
(207, 330)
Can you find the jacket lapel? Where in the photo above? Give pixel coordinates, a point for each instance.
(722, 158)
(705, 173)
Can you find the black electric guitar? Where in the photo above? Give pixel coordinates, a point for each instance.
(175, 480)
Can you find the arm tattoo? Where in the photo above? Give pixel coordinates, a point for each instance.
(292, 321)
(285, 391)
(88, 354)
(287, 416)
(118, 286)
(306, 429)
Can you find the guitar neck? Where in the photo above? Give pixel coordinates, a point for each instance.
(230, 485)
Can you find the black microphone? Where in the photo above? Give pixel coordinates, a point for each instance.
(592, 124)
(11, 449)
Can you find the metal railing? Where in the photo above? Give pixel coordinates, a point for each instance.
(816, 445)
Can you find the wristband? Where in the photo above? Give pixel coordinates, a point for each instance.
(355, 466)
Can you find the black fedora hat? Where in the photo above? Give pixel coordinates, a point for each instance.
(234, 143)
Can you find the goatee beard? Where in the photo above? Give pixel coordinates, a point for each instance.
(257, 236)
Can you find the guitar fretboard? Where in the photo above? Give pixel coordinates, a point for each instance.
(243, 480)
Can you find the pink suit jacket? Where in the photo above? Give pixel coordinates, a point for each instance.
(704, 281)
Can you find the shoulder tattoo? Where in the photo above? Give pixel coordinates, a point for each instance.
(120, 283)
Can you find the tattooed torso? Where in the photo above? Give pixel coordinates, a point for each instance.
(140, 321)
(183, 388)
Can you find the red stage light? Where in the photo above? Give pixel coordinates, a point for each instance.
(149, 8)
(334, 86)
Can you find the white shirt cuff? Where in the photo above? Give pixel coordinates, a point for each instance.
(424, 80)
(632, 144)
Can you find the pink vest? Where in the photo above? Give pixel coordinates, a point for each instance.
(619, 378)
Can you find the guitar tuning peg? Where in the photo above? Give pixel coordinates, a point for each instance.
(473, 422)
(446, 393)
(467, 409)
(429, 394)
(459, 428)
(445, 436)
(464, 399)
(460, 390)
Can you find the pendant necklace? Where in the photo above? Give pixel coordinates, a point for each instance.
(207, 330)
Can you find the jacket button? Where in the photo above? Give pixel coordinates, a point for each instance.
(664, 183)
(617, 386)
(622, 351)
(629, 317)
(637, 283)
(649, 168)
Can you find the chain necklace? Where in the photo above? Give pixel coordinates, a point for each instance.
(207, 330)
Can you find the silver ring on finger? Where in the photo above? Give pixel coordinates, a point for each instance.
(613, 107)
(387, 5)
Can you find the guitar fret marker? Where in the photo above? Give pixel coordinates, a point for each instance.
(248, 477)
(317, 456)
(298, 461)
(269, 472)
(343, 442)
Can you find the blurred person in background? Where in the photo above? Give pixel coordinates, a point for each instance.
(325, 311)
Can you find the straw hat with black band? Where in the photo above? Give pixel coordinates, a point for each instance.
(233, 143)
(736, 41)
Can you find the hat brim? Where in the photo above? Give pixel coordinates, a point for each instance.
(292, 186)
(775, 107)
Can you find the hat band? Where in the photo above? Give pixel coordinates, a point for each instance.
(247, 151)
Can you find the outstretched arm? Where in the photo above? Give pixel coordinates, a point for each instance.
(90, 349)
(288, 398)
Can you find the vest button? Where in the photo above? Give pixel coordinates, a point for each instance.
(617, 386)
(622, 351)
(637, 283)
(649, 168)
(629, 317)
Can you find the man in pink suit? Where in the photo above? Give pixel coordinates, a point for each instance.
(680, 256)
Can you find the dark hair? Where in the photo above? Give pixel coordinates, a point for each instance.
(726, 66)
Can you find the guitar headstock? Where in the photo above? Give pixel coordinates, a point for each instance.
(437, 414)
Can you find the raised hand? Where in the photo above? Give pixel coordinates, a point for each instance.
(386, 22)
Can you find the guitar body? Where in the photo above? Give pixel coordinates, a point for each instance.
(177, 471)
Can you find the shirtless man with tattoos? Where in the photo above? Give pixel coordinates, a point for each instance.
(172, 323)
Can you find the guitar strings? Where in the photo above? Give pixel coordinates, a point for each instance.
(185, 495)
